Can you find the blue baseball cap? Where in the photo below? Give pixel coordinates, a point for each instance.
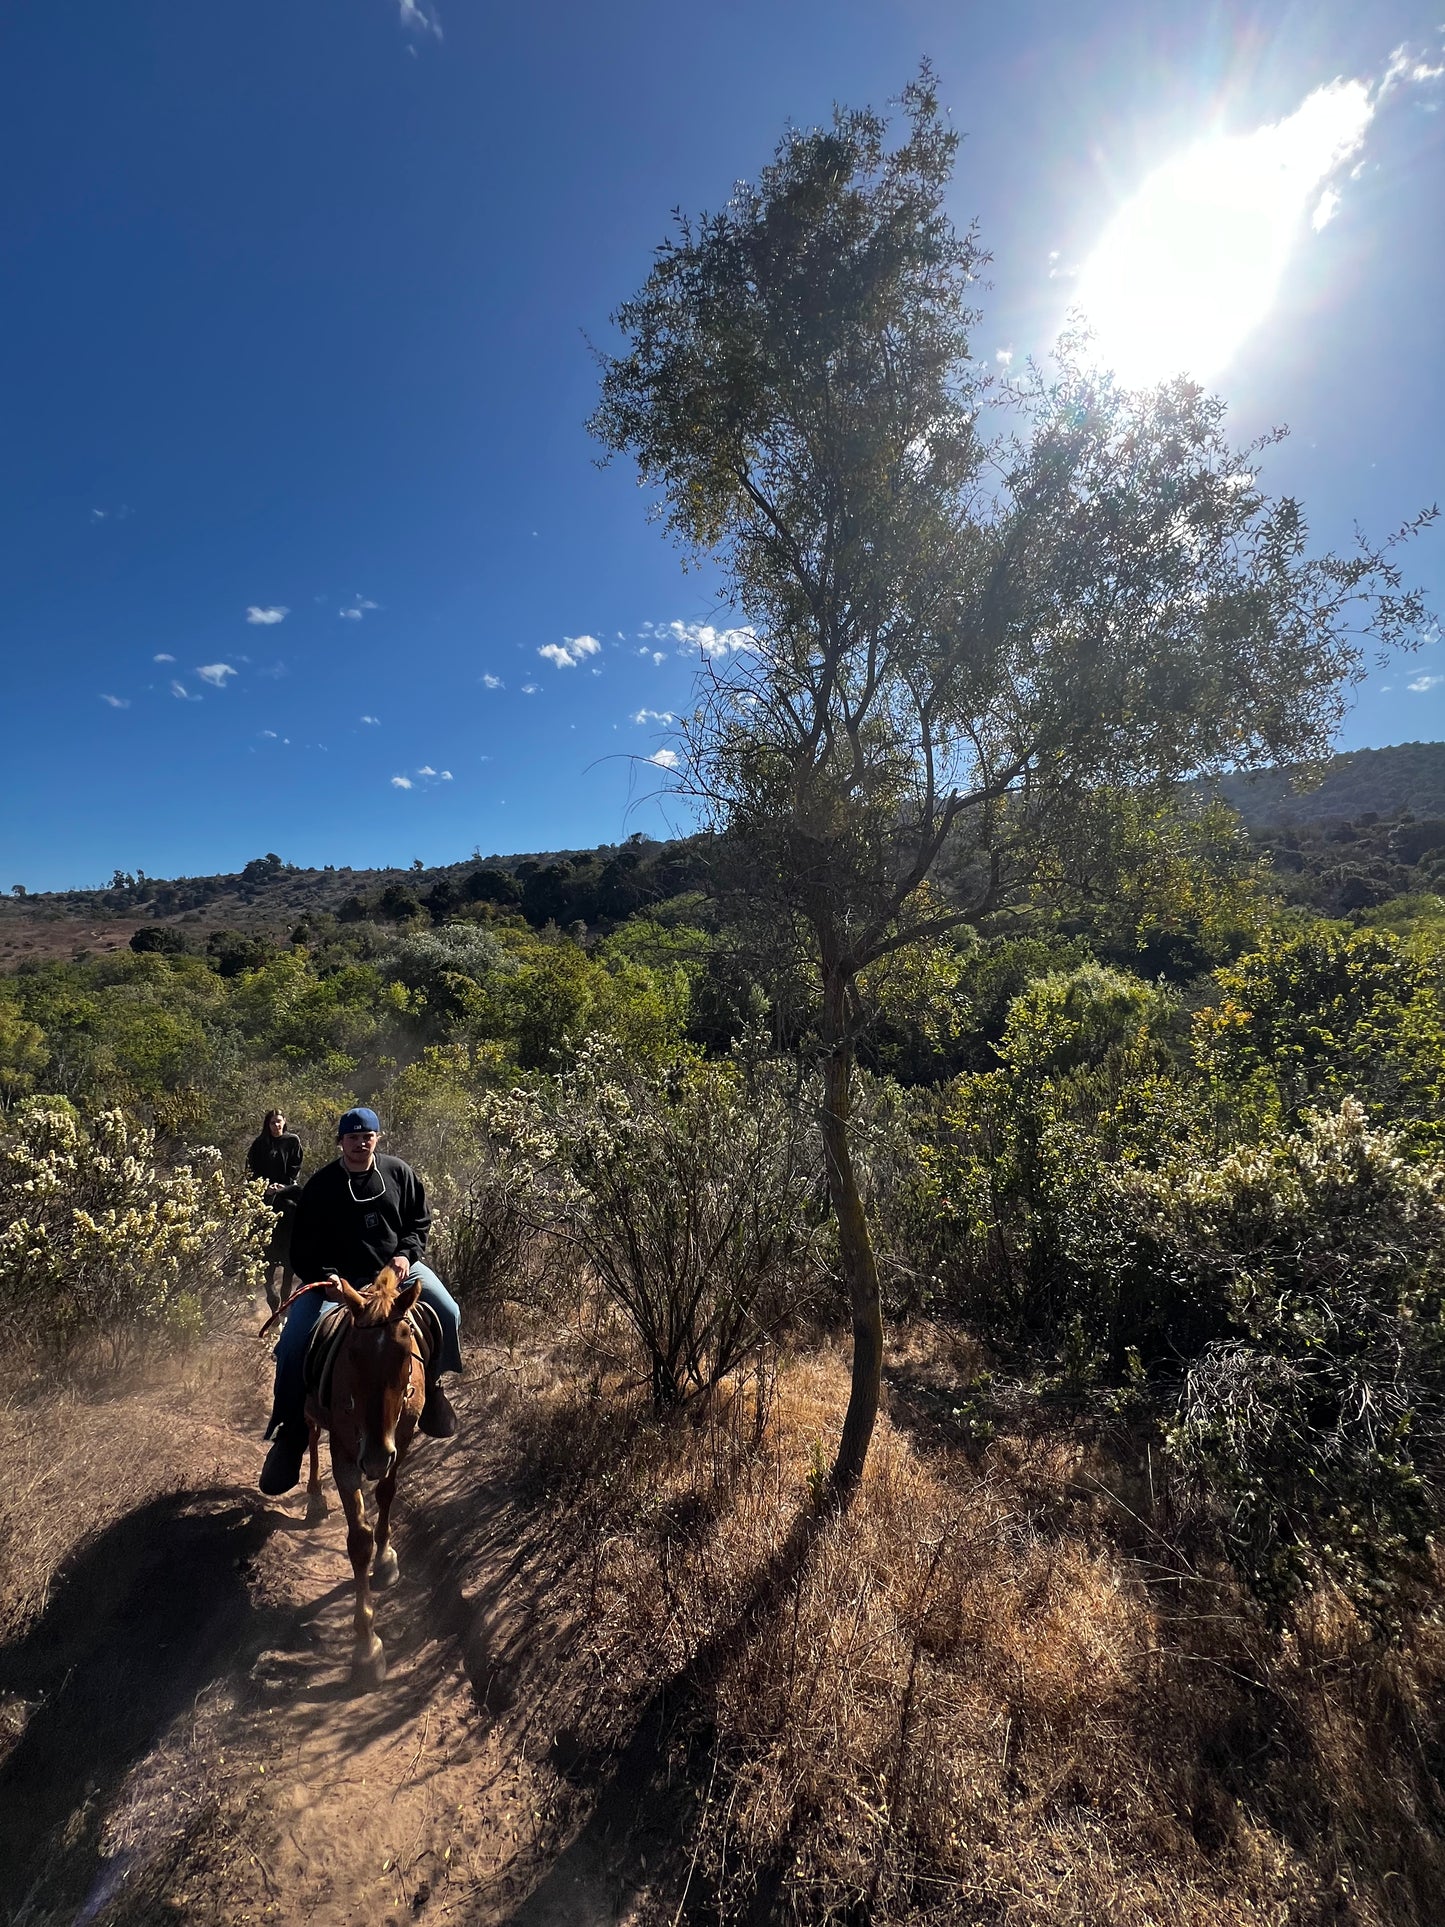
(358, 1120)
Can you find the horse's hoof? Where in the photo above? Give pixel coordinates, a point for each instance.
(384, 1573)
(367, 1674)
(316, 1508)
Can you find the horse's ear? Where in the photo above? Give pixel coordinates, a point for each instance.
(404, 1301)
(349, 1296)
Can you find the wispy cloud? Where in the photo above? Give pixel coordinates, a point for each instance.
(117, 702)
(357, 608)
(1408, 68)
(654, 716)
(267, 618)
(570, 651)
(493, 682)
(703, 637)
(1325, 209)
(269, 734)
(99, 515)
(376, 720)
(531, 688)
(181, 693)
(1422, 683)
(426, 770)
(420, 19)
(401, 782)
(163, 657)
(215, 673)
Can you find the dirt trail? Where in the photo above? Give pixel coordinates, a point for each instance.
(185, 1746)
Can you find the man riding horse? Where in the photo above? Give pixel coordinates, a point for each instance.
(358, 1213)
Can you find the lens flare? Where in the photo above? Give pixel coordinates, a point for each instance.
(1191, 265)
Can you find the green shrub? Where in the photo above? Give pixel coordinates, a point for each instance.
(1318, 1418)
(686, 1192)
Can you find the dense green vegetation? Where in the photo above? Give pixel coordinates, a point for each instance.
(1209, 1205)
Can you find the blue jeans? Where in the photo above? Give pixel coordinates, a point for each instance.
(289, 1403)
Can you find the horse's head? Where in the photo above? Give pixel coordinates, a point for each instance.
(377, 1375)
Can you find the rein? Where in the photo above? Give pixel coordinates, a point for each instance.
(321, 1284)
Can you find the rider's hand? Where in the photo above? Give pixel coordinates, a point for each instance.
(333, 1288)
(401, 1265)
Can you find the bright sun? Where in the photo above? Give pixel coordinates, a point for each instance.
(1192, 263)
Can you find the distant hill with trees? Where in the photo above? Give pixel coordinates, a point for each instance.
(1372, 828)
(1406, 776)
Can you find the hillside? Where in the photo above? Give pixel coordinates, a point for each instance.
(1365, 799)
(1405, 776)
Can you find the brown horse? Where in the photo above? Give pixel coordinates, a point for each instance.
(378, 1387)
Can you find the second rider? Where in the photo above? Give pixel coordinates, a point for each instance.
(358, 1213)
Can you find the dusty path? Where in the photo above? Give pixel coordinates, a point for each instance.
(185, 1746)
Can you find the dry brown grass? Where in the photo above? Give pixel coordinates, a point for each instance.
(81, 1454)
(981, 1697)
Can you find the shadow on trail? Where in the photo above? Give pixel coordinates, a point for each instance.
(637, 1813)
(139, 1621)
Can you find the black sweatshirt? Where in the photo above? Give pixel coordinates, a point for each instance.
(352, 1225)
(276, 1159)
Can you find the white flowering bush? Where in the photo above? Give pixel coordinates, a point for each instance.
(688, 1192)
(101, 1241)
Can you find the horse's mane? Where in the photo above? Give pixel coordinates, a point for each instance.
(378, 1299)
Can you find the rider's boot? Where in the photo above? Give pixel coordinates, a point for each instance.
(438, 1418)
(282, 1469)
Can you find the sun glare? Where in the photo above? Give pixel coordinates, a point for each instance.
(1191, 265)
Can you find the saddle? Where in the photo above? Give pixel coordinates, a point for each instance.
(332, 1326)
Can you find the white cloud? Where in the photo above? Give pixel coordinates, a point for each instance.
(416, 17)
(349, 615)
(357, 608)
(269, 734)
(426, 770)
(664, 758)
(372, 719)
(401, 782)
(446, 776)
(1325, 209)
(1407, 68)
(215, 673)
(654, 716)
(530, 688)
(163, 657)
(182, 694)
(492, 682)
(117, 702)
(265, 618)
(1422, 683)
(1003, 356)
(570, 651)
(702, 637)
(98, 515)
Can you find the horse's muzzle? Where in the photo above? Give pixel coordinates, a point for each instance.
(376, 1462)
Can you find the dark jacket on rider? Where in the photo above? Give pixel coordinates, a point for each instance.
(276, 1159)
(353, 1225)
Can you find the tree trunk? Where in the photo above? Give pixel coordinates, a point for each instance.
(860, 1266)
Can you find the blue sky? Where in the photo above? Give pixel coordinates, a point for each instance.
(295, 374)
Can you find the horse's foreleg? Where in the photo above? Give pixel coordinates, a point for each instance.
(384, 1572)
(368, 1662)
(316, 1506)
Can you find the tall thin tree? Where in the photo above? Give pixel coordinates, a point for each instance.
(969, 631)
